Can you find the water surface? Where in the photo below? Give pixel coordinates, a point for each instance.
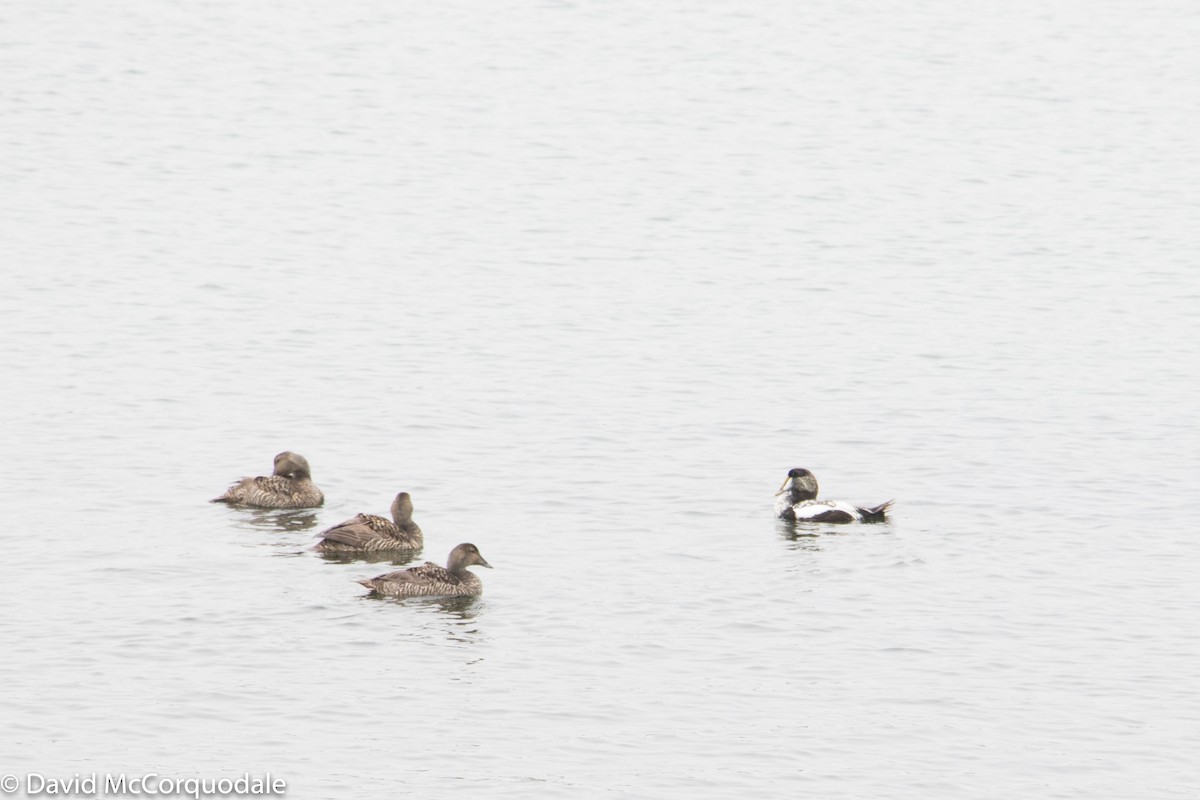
(586, 280)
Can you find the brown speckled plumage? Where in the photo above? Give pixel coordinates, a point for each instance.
(290, 486)
(367, 533)
(432, 580)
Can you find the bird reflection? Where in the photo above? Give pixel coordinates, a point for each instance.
(800, 535)
(450, 618)
(810, 535)
(461, 608)
(282, 521)
(397, 558)
(457, 617)
(457, 608)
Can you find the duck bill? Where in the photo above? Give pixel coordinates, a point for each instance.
(787, 484)
(481, 562)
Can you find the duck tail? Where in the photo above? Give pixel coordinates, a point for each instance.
(368, 582)
(876, 513)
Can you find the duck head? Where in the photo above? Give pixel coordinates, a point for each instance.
(800, 485)
(402, 508)
(465, 555)
(292, 465)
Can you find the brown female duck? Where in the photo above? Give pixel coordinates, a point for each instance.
(290, 486)
(367, 533)
(432, 580)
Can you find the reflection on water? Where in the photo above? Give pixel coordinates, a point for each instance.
(814, 537)
(791, 529)
(801, 538)
(463, 608)
(398, 558)
(454, 615)
(276, 520)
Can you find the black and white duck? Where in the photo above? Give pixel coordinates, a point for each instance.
(797, 500)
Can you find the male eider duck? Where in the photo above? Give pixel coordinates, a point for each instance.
(432, 580)
(290, 486)
(367, 533)
(797, 500)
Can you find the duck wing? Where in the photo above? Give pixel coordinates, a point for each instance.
(427, 580)
(270, 491)
(426, 574)
(361, 531)
(834, 511)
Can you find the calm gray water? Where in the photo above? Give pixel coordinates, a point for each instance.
(587, 279)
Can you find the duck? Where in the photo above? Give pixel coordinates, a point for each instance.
(797, 500)
(434, 580)
(367, 533)
(289, 486)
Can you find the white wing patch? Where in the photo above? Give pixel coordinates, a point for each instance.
(814, 508)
